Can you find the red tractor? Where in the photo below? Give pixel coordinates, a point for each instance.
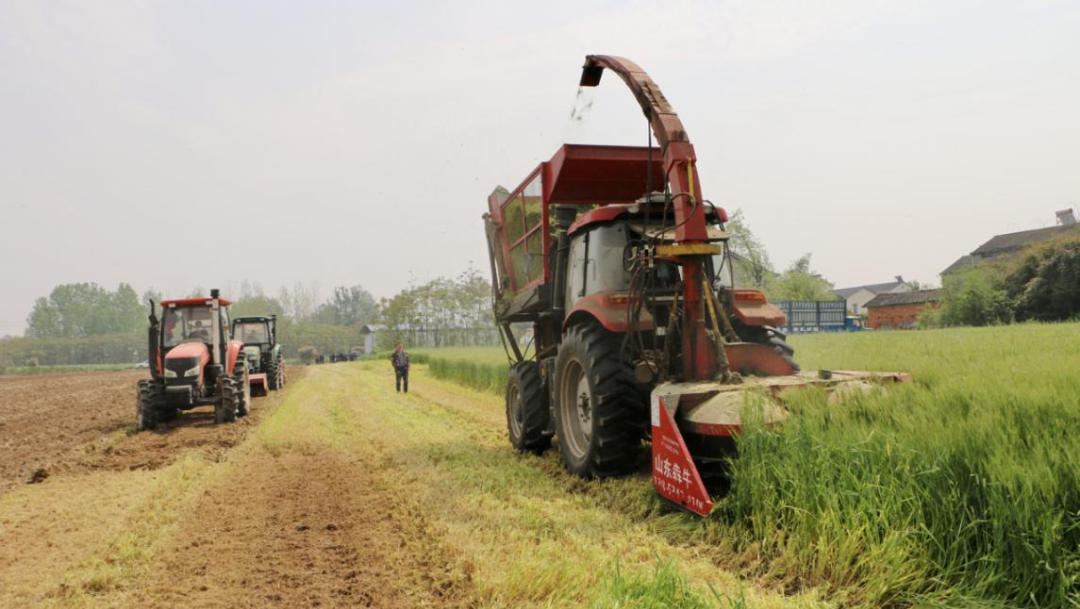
(621, 267)
(193, 362)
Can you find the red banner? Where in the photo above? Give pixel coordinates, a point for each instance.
(674, 474)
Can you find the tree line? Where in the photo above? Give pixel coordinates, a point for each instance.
(85, 323)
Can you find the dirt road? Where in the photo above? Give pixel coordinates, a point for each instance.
(337, 492)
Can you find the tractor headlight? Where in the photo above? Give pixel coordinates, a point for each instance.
(192, 371)
(170, 374)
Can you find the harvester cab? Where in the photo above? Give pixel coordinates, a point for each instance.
(193, 362)
(266, 365)
(622, 269)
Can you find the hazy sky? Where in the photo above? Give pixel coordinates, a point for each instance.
(175, 144)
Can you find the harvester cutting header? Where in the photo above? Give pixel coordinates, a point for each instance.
(622, 267)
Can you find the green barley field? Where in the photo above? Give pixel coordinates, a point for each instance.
(961, 489)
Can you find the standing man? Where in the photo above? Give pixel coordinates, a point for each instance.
(400, 360)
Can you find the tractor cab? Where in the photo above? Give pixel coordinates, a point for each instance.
(184, 321)
(261, 351)
(253, 331)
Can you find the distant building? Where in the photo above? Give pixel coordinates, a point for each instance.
(1003, 246)
(900, 310)
(371, 332)
(858, 296)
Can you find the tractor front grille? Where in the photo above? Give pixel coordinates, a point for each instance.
(180, 366)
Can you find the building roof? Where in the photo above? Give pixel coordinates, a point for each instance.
(905, 298)
(967, 261)
(873, 288)
(1008, 242)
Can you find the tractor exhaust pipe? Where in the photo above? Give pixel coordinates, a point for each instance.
(216, 332)
(153, 344)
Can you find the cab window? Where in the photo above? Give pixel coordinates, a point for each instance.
(251, 333)
(186, 324)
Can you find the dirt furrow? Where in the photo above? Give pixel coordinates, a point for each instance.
(305, 530)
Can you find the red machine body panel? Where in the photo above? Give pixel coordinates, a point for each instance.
(575, 175)
(232, 352)
(190, 302)
(258, 379)
(753, 309)
(192, 349)
(674, 475)
(600, 214)
(608, 308)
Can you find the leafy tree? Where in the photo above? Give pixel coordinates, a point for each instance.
(348, 306)
(85, 309)
(44, 320)
(749, 251)
(974, 298)
(1046, 286)
(800, 282)
(931, 317)
(441, 306)
(256, 305)
(301, 302)
(124, 312)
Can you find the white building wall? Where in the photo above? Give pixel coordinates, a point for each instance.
(856, 303)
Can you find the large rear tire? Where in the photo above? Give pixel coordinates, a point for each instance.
(147, 406)
(600, 415)
(527, 409)
(243, 379)
(273, 374)
(225, 410)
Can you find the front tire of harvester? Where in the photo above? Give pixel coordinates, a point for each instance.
(527, 409)
(146, 406)
(600, 415)
(225, 410)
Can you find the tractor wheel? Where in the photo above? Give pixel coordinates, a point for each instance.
(273, 374)
(600, 415)
(527, 409)
(244, 394)
(147, 413)
(225, 410)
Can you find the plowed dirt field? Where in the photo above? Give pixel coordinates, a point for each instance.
(65, 423)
